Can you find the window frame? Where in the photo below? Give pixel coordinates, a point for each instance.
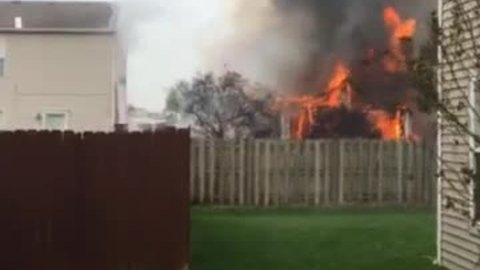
(45, 113)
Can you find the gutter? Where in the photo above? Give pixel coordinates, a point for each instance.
(439, 145)
(98, 31)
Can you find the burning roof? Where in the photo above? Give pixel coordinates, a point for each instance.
(341, 109)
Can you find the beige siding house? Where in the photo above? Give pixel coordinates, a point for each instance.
(458, 225)
(61, 66)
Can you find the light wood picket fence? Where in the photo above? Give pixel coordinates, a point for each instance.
(317, 172)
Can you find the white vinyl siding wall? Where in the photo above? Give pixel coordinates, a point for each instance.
(459, 240)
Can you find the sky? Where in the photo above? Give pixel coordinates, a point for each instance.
(166, 41)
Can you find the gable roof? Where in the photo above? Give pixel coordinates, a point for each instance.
(58, 16)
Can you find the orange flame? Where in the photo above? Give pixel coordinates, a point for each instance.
(337, 86)
(389, 126)
(301, 125)
(400, 30)
(337, 93)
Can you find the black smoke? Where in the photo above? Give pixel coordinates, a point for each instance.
(349, 31)
(345, 30)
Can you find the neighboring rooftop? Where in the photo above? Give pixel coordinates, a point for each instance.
(57, 16)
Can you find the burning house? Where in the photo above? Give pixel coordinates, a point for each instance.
(341, 108)
(341, 68)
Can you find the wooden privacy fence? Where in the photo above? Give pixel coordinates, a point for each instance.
(322, 172)
(94, 201)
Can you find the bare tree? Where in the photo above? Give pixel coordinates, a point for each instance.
(221, 107)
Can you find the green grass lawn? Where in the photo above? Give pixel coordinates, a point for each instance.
(312, 239)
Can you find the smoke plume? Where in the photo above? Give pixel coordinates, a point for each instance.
(292, 44)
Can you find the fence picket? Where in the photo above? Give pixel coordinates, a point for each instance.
(257, 173)
(213, 171)
(327, 188)
(201, 164)
(286, 183)
(318, 162)
(241, 173)
(232, 171)
(400, 171)
(371, 167)
(267, 173)
(380, 179)
(341, 172)
(193, 173)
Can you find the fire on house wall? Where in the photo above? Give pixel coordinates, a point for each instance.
(339, 109)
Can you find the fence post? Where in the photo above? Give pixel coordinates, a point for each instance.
(276, 175)
(222, 178)
(241, 173)
(201, 169)
(306, 170)
(420, 184)
(257, 172)
(427, 180)
(327, 172)
(400, 171)
(430, 169)
(213, 171)
(358, 179)
(371, 166)
(318, 162)
(341, 172)
(380, 159)
(411, 184)
(249, 164)
(267, 174)
(193, 165)
(286, 183)
(233, 168)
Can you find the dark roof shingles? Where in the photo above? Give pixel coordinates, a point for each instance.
(58, 15)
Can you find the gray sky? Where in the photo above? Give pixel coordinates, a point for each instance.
(167, 39)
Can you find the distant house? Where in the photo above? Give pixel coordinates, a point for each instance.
(458, 227)
(61, 66)
(140, 119)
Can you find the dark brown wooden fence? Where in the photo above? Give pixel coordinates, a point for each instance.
(94, 201)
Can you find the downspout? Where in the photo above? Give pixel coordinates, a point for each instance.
(471, 141)
(439, 144)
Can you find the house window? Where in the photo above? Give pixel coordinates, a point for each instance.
(55, 121)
